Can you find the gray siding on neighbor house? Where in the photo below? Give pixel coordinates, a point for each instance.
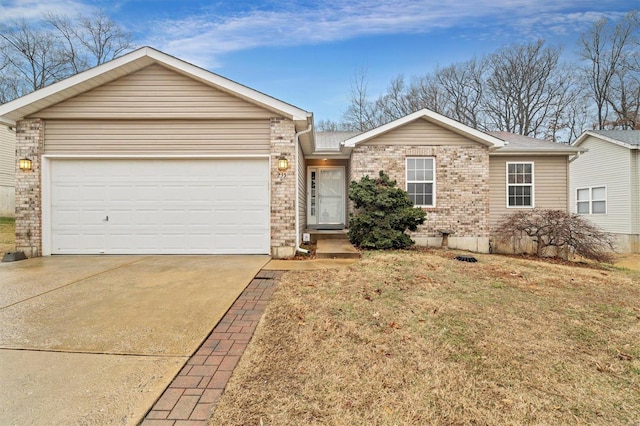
(635, 191)
(610, 165)
(155, 92)
(177, 137)
(551, 182)
(420, 132)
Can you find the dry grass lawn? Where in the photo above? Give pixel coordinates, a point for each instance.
(416, 337)
(7, 235)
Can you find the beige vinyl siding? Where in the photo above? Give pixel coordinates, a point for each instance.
(176, 137)
(7, 171)
(152, 93)
(7, 156)
(550, 182)
(420, 132)
(605, 164)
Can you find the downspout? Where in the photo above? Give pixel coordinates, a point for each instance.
(297, 139)
(575, 157)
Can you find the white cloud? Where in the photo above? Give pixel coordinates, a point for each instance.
(33, 10)
(204, 36)
(332, 20)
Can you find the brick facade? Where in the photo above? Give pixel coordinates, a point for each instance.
(283, 189)
(462, 189)
(29, 144)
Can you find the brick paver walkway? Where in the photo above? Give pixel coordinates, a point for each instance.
(194, 392)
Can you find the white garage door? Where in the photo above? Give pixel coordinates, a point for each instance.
(160, 206)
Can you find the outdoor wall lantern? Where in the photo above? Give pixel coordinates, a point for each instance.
(283, 164)
(24, 164)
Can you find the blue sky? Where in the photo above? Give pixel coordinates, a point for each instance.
(307, 52)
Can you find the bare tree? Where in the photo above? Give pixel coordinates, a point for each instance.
(624, 98)
(329, 126)
(463, 85)
(608, 51)
(426, 92)
(91, 40)
(359, 114)
(394, 103)
(521, 89)
(524, 88)
(398, 100)
(576, 116)
(34, 55)
(557, 228)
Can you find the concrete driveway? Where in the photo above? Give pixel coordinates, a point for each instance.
(96, 339)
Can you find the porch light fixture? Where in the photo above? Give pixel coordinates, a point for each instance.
(283, 164)
(24, 164)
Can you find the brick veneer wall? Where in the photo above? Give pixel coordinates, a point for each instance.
(283, 189)
(29, 144)
(462, 189)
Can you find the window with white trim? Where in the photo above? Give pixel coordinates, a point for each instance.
(592, 200)
(519, 184)
(421, 181)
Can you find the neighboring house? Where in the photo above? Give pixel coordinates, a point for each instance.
(7, 170)
(605, 184)
(150, 154)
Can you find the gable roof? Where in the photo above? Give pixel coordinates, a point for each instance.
(627, 138)
(135, 61)
(519, 144)
(440, 120)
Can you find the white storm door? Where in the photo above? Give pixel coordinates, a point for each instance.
(330, 186)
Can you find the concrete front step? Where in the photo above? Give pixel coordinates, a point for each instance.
(336, 249)
(326, 234)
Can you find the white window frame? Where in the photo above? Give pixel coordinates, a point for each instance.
(591, 200)
(532, 184)
(432, 181)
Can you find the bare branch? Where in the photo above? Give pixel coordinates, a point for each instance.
(557, 228)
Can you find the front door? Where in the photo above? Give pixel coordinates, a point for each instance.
(326, 197)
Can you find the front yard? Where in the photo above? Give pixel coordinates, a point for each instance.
(417, 337)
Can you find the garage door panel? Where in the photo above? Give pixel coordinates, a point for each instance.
(160, 206)
(121, 193)
(199, 217)
(88, 243)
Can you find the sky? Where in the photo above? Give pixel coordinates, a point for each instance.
(307, 53)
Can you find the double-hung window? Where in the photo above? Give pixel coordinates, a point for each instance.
(520, 185)
(421, 181)
(592, 200)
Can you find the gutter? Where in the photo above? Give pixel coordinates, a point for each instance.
(297, 142)
(7, 122)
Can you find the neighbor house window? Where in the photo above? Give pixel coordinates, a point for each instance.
(421, 181)
(520, 184)
(592, 200)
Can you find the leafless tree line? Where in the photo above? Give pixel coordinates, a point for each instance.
(524, 88)
(34, 55)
